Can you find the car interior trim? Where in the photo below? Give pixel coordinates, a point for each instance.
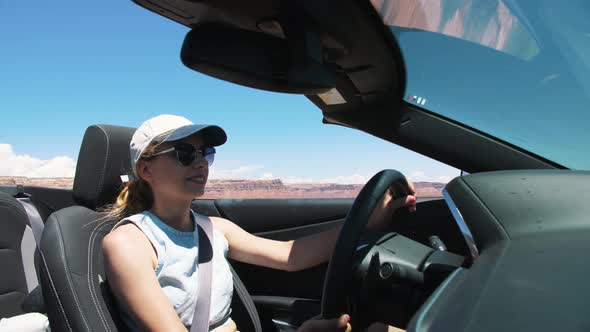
(419, 319)
(462, 225)
(27, 248)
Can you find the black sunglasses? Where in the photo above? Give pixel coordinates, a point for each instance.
(187, 154)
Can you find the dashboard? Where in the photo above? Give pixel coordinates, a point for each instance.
(528, 233)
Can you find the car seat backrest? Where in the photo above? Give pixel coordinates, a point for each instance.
(72, 274)
(103, 158)
(17, 247)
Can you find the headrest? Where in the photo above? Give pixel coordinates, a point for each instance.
(103, 158)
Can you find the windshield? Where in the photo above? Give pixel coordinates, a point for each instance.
(516, 70)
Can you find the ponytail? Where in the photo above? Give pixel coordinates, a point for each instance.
(135, 196)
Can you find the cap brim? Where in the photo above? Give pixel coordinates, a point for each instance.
(212, 135)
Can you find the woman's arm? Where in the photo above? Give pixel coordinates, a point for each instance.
(129, 263)
(291, 255)
(307, 251)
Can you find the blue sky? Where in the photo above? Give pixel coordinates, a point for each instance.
(70, 64)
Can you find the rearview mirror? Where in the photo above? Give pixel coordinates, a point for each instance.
(259, 60)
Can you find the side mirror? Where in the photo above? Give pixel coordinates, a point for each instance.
(292, 64)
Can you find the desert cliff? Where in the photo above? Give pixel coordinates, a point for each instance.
(274, 188)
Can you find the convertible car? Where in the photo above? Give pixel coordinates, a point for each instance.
(497, 88)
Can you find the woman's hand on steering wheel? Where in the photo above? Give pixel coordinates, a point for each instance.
(397, 196)
(385, 193)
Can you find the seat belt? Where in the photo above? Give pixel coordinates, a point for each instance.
(201, 315)
(35, 220)
(246, 299)
(34, 300)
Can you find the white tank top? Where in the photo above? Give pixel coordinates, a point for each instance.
(177, 269)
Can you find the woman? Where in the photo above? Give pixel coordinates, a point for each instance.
(151, 255)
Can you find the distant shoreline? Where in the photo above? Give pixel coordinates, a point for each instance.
(241, 188)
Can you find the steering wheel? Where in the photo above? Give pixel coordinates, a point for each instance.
(391, 258)
(339, 276)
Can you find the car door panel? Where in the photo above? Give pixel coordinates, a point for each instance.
(281, 220)
(281, 297)
(259, 215)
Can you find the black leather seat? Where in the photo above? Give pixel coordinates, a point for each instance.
(72, 274)
(17, 245)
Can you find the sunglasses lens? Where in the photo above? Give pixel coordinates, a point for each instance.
(210, 158)
(186, 158)
(209, 154)
(187, 154)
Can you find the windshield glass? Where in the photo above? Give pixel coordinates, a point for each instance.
(516, 70)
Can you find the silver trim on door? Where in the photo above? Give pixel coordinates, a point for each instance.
(284, 326)
(461, 223)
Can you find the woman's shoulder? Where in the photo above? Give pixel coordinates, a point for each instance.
(129, 219)
(125, 237)
(215, 220)
(137, 216)
(219, 224)
(128, 239)
(126, 231)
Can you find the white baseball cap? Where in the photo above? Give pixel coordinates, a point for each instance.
(166, 128)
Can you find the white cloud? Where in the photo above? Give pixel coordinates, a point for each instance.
(258, 172)
(12, 164)
(444, 179)
(420, 176)
(296, 179)
(267, 176)
(350, 179)
(242, 172)
(416, 176)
